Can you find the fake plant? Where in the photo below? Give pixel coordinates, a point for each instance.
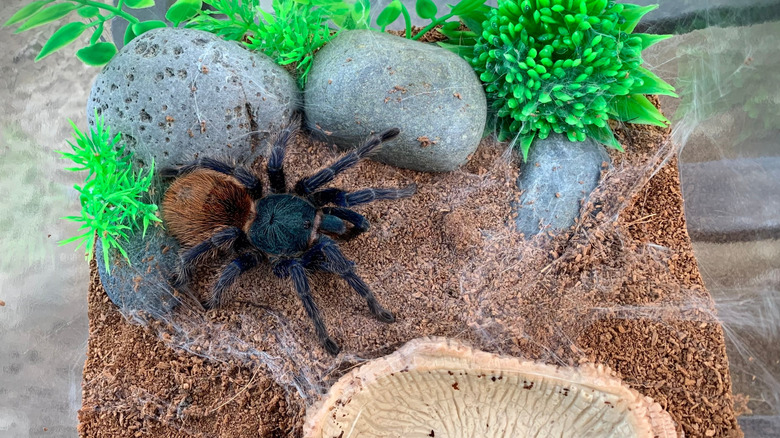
(97, 52)
(357, 15)
(290, 36)
(566, 66)
(111, 197)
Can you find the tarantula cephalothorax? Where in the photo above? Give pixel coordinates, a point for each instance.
(212, 205)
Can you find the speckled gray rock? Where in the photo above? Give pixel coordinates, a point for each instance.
(364, 82)
(558, 175)
(144, 283)
(176, 94)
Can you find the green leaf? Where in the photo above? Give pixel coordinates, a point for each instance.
(26, 12)
(632, 14)
(145, 26)
(129, 35)
(474, 19)
(652, 84)
(97, 33)
(603, 135)
(389, 14)
(97, 54)
(636, 109)
(426, 9)
(47, 15)
(61, 38)
(88, 11)
(361, 14)
(139, 4)
(466, 52)
(466, 6)
(650, 39)
(525, 143)
(183, 10)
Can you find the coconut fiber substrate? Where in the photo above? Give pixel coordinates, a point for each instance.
(620, 288)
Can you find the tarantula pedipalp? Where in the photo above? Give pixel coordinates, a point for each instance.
(212, 205)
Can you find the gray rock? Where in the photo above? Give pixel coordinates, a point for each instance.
(558, 175)
(144, 283)
(364, 82)
(175, 94)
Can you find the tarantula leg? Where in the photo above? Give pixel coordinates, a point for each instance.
(359, 223)
(332, 224)
(275, 165)
(244, 176)
(363, 196)
(340, 265)
(224, 238)
(232, 271)
(309, 184)
(295, 270)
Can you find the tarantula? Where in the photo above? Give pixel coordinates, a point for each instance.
(212, 205)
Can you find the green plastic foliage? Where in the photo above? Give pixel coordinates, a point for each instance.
(61, 38)
(88, 12)
(139, 4)
(565, 66)
(145, 26)
(112, 193)
(97, 54)
(291, 35)
(46, 15)
(26, 12)
(96, 14)
(426, 9)
(183, 10)
(389, 14)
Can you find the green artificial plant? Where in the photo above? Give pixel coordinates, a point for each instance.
(290, 35)
(112, 195)
(96, 15)
(566, 66)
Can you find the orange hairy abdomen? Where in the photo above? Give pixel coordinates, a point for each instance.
(200, 203)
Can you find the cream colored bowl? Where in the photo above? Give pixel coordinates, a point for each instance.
(440, 388)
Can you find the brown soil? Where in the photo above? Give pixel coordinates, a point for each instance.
(621, 288)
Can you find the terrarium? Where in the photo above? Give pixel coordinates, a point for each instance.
(401, 218)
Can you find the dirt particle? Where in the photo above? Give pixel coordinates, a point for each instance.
(425, 141)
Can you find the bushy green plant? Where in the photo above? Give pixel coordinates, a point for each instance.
(566, 66)
(111, 197)
(290, 36)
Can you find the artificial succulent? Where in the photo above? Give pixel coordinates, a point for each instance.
(566, 66)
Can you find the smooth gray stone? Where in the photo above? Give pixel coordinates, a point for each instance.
(178, 94)
(142, 285)
(364, 82)
(558, 175)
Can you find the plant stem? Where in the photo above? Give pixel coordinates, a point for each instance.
(116, 11)
(408, 21)
(433, 24)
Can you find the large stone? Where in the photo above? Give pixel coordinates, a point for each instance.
(177, 94)
(556, 178)
(143, 284)
(364, 82)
